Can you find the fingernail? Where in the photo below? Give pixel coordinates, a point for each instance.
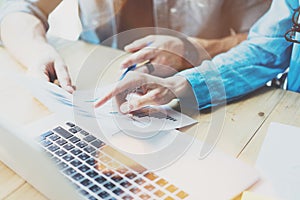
(70, 89)
(126, 107)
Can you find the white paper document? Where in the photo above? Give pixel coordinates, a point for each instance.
(279, 162)
(144, 123)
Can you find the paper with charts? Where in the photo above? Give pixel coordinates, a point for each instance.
(148, 120)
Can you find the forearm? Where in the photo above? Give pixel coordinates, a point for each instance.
(236, 73)
(23, 35)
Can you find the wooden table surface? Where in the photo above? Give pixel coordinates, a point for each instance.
(243, 129)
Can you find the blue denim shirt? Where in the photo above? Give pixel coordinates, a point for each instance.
(251, 64)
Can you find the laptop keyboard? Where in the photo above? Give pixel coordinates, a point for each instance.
(88, 163)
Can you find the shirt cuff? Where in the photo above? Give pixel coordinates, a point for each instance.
(207, 84)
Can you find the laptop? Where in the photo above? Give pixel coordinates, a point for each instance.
(67, 160)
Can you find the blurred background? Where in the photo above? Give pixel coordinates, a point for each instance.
(68, 26)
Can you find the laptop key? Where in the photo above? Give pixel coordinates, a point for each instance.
(130, 175)
(171, 188)
(108, 172)
(91, 161)
(135, 190)
(74, 139)
(159, 193)
(68, 146)
(86, 182)
(89, 149)
(95, 188)
(72, 130)
(77, 128)
(96, 154)
(62, 132)
(81, 144)
(76, 151)
(122, 170)
(54, 137)
(55, 159)
(103, 194)
(83, 192)
(83, 156)
(169, 198)
(62, 165)
(84, 133)
(46, 143)
(68, 157)
(117, 178)
(109, 185)
(97, 143)
(149, 187)
(69, 171)
(125, 184)
(44, 135)
(161, 182)
(145, 196)
(127, 197)
(140, 181)
(60, 153)
(77, 177)
(92, 198)
(114, 165)
(151, 176)
(92, 174)
(70, 124)
(76, 163)
(61, 142)
(100, 179)
(118, 191)
(105, 159)
(53, 148)
(89, 138)
(84, 168)
(182, 194)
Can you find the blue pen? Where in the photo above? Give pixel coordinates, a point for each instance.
(131, 68)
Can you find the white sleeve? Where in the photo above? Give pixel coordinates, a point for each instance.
(27, 6)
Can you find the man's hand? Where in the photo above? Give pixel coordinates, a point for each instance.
(164, 52)
(137, 90)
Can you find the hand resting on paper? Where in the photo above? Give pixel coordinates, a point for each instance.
(138, 90)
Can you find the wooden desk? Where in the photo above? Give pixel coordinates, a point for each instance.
(243, 129)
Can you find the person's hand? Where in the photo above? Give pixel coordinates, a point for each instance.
(138, 89)
(49, 66)
(24, 36)
(164, 52)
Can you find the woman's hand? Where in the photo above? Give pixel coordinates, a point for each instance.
(137, 90)
(166, 53)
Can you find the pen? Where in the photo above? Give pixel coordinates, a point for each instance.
(131, 68)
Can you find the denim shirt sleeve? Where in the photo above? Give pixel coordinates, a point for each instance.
(248, 66)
